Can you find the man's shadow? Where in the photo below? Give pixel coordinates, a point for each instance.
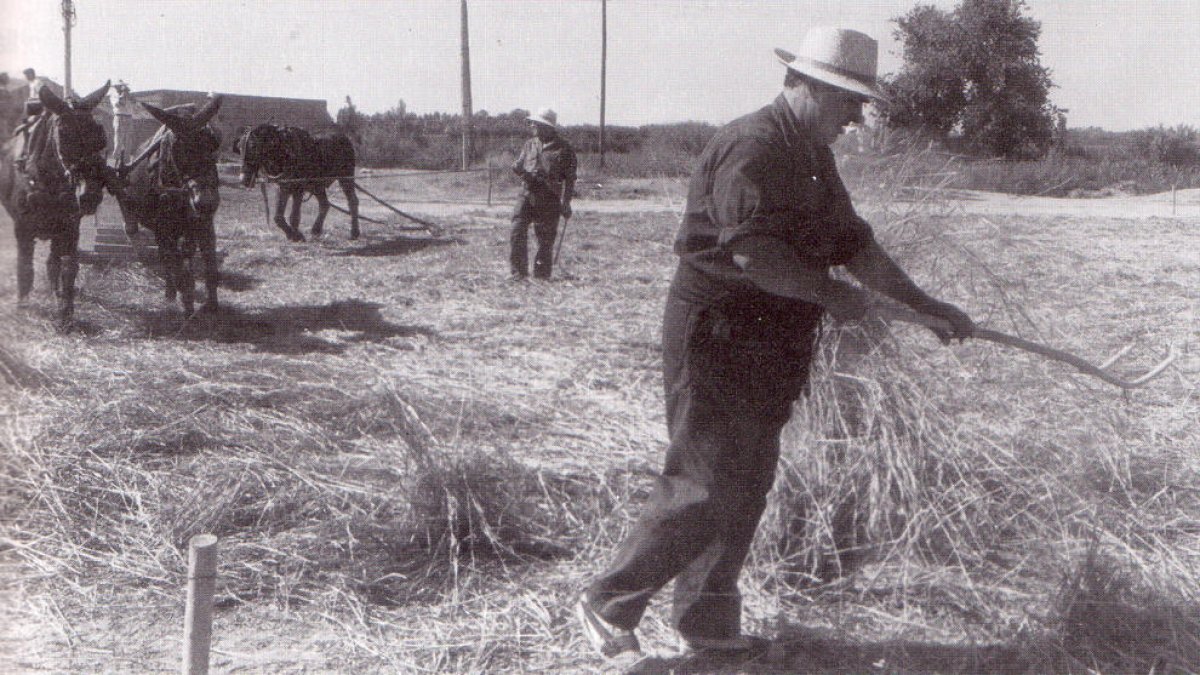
(290, 329)
(803, 650)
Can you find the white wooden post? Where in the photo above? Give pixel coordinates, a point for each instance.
(197, 618)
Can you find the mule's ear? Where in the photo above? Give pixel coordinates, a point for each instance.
(52, 102)
(206, 113)
(93, 99)
(170, 120)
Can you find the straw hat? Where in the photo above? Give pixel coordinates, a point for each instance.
(846, 59)
(545, 116)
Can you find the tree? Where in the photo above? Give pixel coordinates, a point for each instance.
(974, 71)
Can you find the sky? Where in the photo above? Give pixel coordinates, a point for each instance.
(1118, 64)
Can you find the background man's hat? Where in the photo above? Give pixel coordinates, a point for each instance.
(846, 59)
(545, 116)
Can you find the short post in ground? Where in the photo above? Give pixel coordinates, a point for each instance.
(197, 618)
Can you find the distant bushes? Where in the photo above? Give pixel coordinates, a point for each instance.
(1083, 162)
(1177, 147)
(1096, 163)
(398, 138)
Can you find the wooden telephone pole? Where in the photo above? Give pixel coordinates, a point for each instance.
(603, 68)
(68, 14)
(468, 141)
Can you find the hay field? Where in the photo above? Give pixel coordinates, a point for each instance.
(413, 464)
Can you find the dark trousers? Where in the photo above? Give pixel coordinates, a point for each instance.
(727, 401)
(543, 213)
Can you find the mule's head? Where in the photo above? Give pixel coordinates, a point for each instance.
(79, 142)
(193, 151)
(260, 148)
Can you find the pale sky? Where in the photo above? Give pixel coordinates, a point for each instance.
(1118, 64)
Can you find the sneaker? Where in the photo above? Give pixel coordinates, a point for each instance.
(608, 640)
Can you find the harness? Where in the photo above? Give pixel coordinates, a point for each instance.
(46, 184)
(168, 179)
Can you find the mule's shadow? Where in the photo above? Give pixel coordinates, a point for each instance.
(231, 280)
(803, 650)
(237, 282)
(397, 246)
(290, 329)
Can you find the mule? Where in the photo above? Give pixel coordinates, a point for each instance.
(171, 189)
(52, 173)
(301, 163)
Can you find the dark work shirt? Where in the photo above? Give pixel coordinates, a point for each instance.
(552, 163)
(762, 175)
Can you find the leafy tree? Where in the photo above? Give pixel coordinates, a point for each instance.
(974, 71)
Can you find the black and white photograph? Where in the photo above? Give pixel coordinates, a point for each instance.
(652, 337)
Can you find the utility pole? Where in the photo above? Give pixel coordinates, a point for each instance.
(603, 69)
(68, 14)
(468, 142)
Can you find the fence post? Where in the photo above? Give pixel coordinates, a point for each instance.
(197, 618)
(489, 172)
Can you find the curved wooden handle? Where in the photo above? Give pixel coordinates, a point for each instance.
(894, 313)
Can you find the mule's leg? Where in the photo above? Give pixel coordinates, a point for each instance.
(168, 253)
(54, 268)
(24, 268)
(351, 204)
(294, 216)
(322, 209)
(187, 278)
(207, 236)
(63, 248)
(281, 200)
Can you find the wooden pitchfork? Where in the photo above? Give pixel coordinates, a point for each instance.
(895, 313)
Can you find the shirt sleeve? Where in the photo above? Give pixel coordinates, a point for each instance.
(518, 164)
(844, 233)
(749, 192)
(570, 165)
(754, 194)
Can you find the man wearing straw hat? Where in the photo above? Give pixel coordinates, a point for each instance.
(547, 168)
(767, 216)
(123, 106)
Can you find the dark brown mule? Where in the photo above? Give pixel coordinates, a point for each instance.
(52, 173)
(172, 190)
(301, 162)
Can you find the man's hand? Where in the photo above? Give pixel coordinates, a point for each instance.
(566, 210)
(961, 325)
(844, 302)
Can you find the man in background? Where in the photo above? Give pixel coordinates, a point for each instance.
(123, 105)
(35, 82)
(547, 166)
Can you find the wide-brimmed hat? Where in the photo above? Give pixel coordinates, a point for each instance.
(545, 116)
(844, 58)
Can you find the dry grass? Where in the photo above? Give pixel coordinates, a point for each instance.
(413, 464)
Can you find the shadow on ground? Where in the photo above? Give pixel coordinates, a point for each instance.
(291, 329)
(237, 282)
(799, 650)
(397, 246)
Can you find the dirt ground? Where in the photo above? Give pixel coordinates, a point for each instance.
(1156, 238)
